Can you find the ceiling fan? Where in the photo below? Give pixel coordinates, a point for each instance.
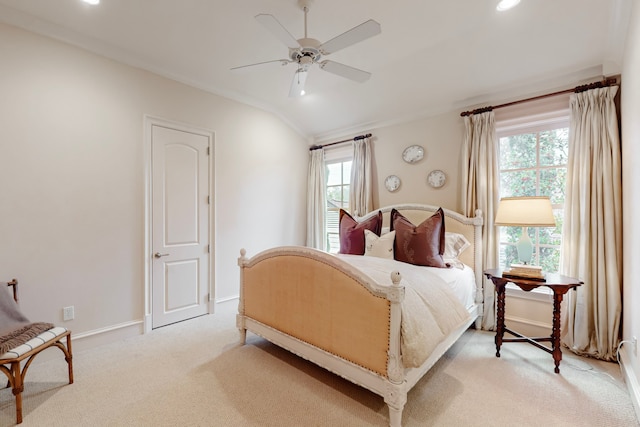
(306, 51)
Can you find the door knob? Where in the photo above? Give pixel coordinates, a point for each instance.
(159, 255)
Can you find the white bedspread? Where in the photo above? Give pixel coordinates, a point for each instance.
(434, 303)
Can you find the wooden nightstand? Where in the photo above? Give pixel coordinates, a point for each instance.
(559, 284)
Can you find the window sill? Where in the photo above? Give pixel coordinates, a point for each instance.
(539, 294)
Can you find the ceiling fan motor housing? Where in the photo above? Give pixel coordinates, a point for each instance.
(307, 53)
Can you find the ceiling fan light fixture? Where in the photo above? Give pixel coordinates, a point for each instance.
(506, 5)
(297, 85)
(92, 2)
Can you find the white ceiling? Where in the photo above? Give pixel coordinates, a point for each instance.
(431, 57)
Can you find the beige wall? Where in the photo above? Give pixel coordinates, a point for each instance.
(72, 179)
(441, 137)
(630, 105)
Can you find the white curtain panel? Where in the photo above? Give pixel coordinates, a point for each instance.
(592, 232)
(316, 200)
(480, 184)
(361, 191)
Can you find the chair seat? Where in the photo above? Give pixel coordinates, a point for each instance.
(33, 343)
(15, 362)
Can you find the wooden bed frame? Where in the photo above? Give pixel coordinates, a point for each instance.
(330, 313)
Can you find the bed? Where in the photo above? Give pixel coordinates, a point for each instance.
(352, 319)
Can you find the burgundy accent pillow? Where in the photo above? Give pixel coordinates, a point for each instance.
(422, 244)
(352, 232)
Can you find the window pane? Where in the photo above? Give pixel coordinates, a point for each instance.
(338, 175)
(332, 223)
(510, 234)
(508, 255)
(332, 220)
(518, 183)
(554, 147)
(334, 174)
(346, 178)
(345, 200)
(549, 259)
(334, 197)
(518, 151)
(552, 184)
(333, 243)
(549, 236)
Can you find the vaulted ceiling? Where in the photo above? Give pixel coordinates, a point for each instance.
(431, 56)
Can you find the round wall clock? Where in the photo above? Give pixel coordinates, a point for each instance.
(392, 183)
(436, 178)
(413, 154)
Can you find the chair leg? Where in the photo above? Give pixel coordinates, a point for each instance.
(18, 388)
(69, 358)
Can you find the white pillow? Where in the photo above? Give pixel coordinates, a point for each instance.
(381, 247)
(454, 245)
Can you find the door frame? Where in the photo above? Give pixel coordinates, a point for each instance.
(149, 122)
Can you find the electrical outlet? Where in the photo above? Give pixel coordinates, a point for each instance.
(68, 313)
(635, 346)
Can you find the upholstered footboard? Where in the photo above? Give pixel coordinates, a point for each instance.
(324, 310)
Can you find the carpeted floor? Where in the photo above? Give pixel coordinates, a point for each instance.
(195, 374)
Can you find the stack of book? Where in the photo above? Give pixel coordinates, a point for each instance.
(525, 271)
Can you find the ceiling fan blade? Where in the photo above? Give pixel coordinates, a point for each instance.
(297, 85)
(362, 32)
(345, 71)
(276, 28)
(281, 61)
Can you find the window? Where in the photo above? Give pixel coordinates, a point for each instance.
(533, 162)
(338, 176)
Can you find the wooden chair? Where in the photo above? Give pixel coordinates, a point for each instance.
(10, 362)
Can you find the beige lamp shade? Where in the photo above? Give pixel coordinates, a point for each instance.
(525, 212)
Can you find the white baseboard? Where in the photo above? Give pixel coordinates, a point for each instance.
(631, 379)
(231, 298)
(529, 327)
(97, 337)
(90, 339)
(108, 334)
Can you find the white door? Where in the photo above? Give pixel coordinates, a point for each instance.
(180, 225)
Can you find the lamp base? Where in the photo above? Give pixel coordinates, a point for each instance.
(525, 247)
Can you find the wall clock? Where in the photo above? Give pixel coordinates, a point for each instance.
(392, 183)
(436, 178)
(413, 154)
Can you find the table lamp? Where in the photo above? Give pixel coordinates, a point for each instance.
(525, 212)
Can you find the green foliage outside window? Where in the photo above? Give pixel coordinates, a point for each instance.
(535, 164)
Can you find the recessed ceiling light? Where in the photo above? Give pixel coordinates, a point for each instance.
(91, 1)
(506, 5)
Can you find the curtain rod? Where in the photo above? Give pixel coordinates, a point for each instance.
(603, 83)
(355, 138)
